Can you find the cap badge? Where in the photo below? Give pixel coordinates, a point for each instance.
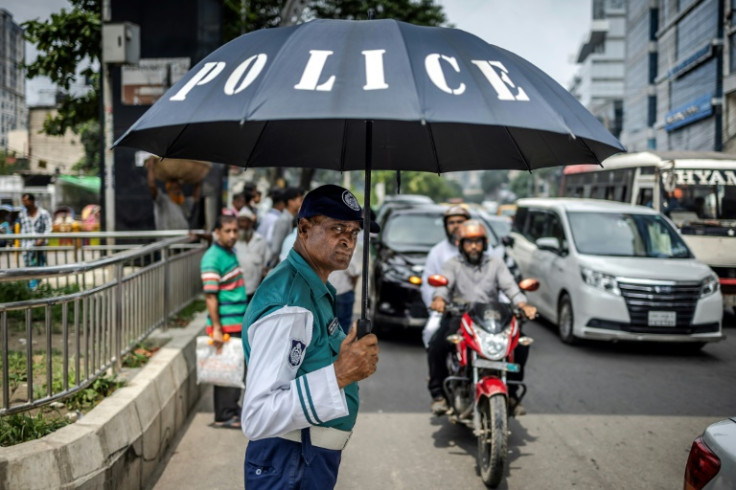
(349, 199)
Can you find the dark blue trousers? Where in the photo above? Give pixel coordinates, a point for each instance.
(276, 464)
(344, 305)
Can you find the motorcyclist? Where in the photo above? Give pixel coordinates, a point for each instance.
(439, 254)
(444, 250)
(473, 276)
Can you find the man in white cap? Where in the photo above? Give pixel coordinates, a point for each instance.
(252, 251)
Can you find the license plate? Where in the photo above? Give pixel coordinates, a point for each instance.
(501, 366)
(662, 318)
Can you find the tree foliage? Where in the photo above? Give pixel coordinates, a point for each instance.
(67, 40)
(241, 16)
(420, 12)
(438, 187)
(492, 180)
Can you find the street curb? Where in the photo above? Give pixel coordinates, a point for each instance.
(119, 443)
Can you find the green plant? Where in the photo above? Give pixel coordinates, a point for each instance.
(186, 314)
(135, 359)
(89, 397)
(18, 428)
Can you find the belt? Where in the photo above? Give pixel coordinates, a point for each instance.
(324, 437)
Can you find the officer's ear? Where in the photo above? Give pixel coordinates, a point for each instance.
(303, 226)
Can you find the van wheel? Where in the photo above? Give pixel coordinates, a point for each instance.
(565, 321)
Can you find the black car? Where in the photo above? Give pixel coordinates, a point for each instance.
(407, 235)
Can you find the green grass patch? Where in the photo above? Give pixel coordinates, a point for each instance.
(186, 314)
(18, 428)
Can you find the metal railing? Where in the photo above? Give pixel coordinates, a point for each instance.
(62, 342)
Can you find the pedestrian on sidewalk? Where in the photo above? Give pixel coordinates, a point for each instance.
(302, 398)
(252, 251)
(34, 220)
(224, 293)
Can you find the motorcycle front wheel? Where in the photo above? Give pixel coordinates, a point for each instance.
(493, 440)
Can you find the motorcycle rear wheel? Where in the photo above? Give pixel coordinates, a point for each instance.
(493, 442)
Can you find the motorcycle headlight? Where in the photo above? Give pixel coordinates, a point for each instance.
(600, 280)
(493, 345)
(708, 286)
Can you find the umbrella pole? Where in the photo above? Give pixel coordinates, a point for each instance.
(364, 323)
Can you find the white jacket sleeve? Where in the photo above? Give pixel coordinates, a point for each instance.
(276, 400)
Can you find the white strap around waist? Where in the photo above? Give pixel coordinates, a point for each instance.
(324, 437)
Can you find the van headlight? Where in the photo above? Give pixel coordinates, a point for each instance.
(600, 280)
(708, 286)
(493, 345)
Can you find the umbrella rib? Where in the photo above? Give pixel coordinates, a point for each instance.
(518, 149)
(255, 144)
(434, 147)
(344, 148)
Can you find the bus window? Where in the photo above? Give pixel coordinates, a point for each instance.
(646, 197)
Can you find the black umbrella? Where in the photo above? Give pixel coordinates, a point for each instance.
(370, 95)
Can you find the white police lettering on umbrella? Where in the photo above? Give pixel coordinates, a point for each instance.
(248, 71)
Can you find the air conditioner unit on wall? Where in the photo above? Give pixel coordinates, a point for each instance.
(121, 43)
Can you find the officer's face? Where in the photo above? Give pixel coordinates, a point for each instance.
(330, 242)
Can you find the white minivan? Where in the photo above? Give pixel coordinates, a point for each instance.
(614, 271)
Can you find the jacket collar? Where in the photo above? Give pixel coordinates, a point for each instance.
(318, 287)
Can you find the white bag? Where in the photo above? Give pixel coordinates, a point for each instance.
(223, 369)
(433, 323)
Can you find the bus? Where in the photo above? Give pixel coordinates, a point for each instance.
(696, 190)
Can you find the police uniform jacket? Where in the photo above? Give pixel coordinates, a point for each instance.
(291, 340)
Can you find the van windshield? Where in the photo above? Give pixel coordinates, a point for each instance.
(626, 235)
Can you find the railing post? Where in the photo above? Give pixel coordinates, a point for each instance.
(118, 316)
(165, 257)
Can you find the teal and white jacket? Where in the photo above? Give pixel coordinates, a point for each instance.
(291, 340)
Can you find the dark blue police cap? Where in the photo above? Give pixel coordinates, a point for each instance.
(334, 202)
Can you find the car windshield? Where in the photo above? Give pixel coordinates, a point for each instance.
(626, 235)
(420, 231)
(500, 227)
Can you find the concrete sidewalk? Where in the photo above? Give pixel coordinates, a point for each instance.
(201, 456)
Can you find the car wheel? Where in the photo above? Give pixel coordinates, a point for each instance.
(565, 320)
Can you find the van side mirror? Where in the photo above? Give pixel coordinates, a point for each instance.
(550, 244)
(508, 241)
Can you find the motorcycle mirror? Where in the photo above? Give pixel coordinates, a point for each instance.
(529, 284)
(437, 280)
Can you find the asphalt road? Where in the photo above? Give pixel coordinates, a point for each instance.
(605, 416)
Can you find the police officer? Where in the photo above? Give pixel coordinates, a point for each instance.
(302, 397)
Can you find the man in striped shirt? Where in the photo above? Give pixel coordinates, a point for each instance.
(224, 292)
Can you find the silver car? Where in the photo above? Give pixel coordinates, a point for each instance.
(712, 461)
(614, 271)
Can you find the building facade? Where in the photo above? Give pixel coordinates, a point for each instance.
(675, 76)
(640, 99)
(690, 73)
(13, 113)
(599, 83)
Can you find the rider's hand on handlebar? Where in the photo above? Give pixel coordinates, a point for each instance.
(529, 311)
(438, 304)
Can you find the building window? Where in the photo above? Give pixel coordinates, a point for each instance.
(42, 164)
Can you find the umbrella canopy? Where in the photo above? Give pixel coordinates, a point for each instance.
(439, 100)
(379, 94)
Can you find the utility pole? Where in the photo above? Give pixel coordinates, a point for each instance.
(108, 156)
(120, 45)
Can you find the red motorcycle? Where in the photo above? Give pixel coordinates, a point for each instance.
(477, 387)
